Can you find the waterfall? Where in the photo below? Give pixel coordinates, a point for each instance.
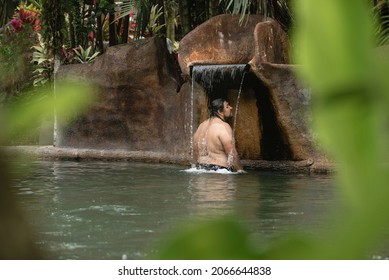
(237, 105)
(211, 77)
(192, 160)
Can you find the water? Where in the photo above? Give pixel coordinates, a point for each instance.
(237, 106)
(118, 210)
(191, 122)
(209, 76)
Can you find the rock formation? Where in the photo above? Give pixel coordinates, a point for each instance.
(273, 119)
(138, 108)
(144, 107)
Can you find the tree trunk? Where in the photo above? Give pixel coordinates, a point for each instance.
(72, 33)
(126, 25)
(185, 17)
(3, 12)
(169, 20)
(213, 8)
(99, 34)
(112, 27)
(7, 8)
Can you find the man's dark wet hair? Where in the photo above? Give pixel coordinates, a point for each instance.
(215, 106)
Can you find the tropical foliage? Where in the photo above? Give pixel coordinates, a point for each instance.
(153, 27)
(381, 19)
(16, 40)
(43, 62)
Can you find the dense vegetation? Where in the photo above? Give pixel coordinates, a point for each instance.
(77, 31)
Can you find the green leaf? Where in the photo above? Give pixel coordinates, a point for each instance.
(218, 239)
(69, 101)
(333, 42)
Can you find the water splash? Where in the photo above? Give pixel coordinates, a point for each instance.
(195, 170)
(230, 158)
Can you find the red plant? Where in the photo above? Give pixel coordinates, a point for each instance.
(25, 17)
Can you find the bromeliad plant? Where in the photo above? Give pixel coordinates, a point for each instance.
(85, 55)
(153, 27)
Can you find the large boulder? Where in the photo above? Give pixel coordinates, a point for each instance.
(291, 101)
(274, 112)
(223, 40)
(138, 105)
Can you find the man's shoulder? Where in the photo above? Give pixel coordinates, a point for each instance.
(221, 126)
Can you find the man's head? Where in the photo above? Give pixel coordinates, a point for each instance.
(220, 108)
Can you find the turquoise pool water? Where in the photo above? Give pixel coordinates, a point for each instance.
(118, 210)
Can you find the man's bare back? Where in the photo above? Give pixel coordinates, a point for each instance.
(214, 142)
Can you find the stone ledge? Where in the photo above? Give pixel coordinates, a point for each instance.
(288, 166)
(54, 153)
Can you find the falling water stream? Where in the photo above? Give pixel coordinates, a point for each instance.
(191, 123)
(237, 105)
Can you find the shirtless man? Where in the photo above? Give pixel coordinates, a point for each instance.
(214, 146)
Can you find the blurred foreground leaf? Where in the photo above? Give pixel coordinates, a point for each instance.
(218, 239)
(25, 115)
(350, 114)
(17, 240)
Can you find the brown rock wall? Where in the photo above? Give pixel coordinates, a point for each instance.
(138, 107)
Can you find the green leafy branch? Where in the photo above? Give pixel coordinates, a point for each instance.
(44, 63)
(153, 27)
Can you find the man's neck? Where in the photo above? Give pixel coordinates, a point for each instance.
(220, 116)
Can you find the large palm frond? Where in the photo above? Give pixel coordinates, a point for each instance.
(127, 6)
(276, 9)
(142, 9)
(381, 21)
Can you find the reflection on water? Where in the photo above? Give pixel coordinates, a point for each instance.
(115, 210)
(212, 194)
